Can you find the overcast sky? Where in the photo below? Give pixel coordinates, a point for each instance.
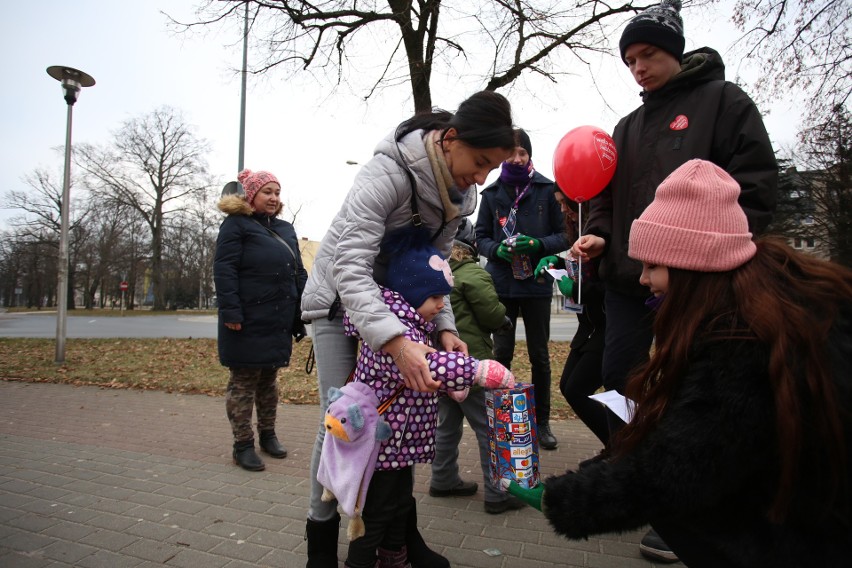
(294, 128)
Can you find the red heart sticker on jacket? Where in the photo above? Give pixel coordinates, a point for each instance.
(679, 123)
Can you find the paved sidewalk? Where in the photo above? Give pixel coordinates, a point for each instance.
(96, 477)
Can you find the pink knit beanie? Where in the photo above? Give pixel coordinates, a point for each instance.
(253, 181)
(694, 222)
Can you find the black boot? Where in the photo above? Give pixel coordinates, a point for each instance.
(546, 439)
(246, 457)
(419, 554)
(269, 443)
(322, 542)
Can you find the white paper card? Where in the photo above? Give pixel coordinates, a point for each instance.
(622, 407)
(557, 273)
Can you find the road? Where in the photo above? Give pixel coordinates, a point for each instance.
(80, 325)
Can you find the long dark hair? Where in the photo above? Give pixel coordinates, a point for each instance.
(483, 120)
(787, 301)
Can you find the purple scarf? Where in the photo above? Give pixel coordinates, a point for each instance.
(515, 175)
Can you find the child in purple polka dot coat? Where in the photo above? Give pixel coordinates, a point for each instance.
(418, 279)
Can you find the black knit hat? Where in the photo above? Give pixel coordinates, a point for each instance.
(523, 140)
(659, 25)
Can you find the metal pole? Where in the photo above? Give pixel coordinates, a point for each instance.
(580, 258)
(65, 205)
(241, 162)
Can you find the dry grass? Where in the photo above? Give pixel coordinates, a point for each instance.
(189, 366)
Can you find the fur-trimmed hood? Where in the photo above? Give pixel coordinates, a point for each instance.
(237, 205)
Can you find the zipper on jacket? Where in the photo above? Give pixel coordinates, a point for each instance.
(404, 428)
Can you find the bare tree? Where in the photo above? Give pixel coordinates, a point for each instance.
(28, 272)
(189, 246)
(803, 46)
(100, 250)
(407, 41)
(155, 163)
(38, 223)
(826, 183)
(815, 190)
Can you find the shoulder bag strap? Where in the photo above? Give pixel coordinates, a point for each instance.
(296, 257)
(383, 407)
(416, 220)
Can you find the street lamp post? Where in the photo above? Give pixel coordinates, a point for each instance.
(242, 149)
(72, 83)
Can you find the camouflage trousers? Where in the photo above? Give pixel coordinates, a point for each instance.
(247, 389)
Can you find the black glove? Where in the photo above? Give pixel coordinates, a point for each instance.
(507, 325)
(299, 331)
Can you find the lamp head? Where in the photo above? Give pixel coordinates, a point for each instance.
(73, 80)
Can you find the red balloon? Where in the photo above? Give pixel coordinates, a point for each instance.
(584, 162)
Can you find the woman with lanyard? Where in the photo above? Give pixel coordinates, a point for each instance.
(422, 173)
(519, 223)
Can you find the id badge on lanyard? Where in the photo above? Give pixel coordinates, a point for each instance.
(512, 219)
(521, 263)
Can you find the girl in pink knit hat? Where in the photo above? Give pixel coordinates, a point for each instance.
(739, 452)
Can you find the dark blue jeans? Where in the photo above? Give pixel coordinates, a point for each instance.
(536, 315)
(628, 338)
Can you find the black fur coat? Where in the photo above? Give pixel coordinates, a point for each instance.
(704, 478)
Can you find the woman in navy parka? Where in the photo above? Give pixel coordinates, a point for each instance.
(259, 281)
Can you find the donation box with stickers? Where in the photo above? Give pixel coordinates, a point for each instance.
(513, 435)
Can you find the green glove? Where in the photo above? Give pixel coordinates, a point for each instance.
(545, 263)
(504, 253)
(566, 286)
(526, 245)
(532, 496)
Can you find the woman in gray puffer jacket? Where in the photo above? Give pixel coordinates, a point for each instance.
(422, 173)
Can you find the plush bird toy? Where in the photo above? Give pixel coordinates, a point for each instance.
(354, 432)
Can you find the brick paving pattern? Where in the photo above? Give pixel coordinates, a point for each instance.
(93, 477)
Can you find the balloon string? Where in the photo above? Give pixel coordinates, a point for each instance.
(580, 257)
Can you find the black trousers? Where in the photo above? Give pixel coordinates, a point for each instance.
(536, 315)
(581, 377)
(628, 338)
(390, 498)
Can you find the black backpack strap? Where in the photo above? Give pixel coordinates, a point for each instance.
(415, 212)
(416, 220)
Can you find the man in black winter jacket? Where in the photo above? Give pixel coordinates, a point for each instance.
(689, 111)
